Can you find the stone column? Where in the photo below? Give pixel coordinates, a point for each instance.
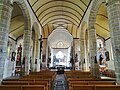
(26, 51)
(113, 9)
(5, 16)
(44, 51)
(37, 55)
(86, 55)
(82, 55)
(93, 53)
(33, 58)
(73, 54)
(47, 54)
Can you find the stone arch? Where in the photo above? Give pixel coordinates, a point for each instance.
(83, 29)
(26, 35)
(35, 26)
(83, 45)
(93, 12)
(36, 36)
(92, 37)
(26, 15)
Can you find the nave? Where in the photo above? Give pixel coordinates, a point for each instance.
(51, 80)
(82, 35)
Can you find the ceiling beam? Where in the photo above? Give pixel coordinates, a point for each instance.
(102, 27)
(34, 3)
(58, 15)
(19, 37)
(34, 13)
(60, 26)
(84, 13)
(17, 16)
(83, 3)
(57, 1)
(65, 22)
(61, 7)
(16, 28)
(12, 38)
(102, 16)
(61, 19)
(59, 11)
(101, 36)
(108, 38)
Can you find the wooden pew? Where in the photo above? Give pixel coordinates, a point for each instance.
(10, 87)
(35, 80)
(107, 87)
(72, 83)
(39, 77)
(44, 83)
(44, 78)
(83, 87)
(47, 87)
(79, 83)
(22, 87)
(82, 79)
(14, 83)
(101, 83)
(43, 72)
(33, 87)
(95, 87)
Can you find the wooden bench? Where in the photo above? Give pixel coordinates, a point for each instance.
(39, 77)
(82, 79)
(107, 87)
(14, 83)
(35, 80)
(95, 87)
(22, 87)
(44, 78)
(44, 83)
(47, 87)
(9, 87)
(101, 83)
(33, 87)
(83, 87)
(72, 83)
(79, 83)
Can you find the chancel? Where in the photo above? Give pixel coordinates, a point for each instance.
(59, 44)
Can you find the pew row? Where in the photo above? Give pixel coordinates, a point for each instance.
(95, 87)
(22, 87)
(44, 83)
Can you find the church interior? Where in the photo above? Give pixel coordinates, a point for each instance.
(59, 44)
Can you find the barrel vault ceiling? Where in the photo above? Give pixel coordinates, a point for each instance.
(55, 13)
(52, 14)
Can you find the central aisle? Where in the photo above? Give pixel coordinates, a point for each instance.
(60, 82)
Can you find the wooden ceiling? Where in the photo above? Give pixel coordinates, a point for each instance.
(52, 14)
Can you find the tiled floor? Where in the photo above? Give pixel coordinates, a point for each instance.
(60, 83)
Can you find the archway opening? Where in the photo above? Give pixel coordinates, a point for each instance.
(60, 42)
